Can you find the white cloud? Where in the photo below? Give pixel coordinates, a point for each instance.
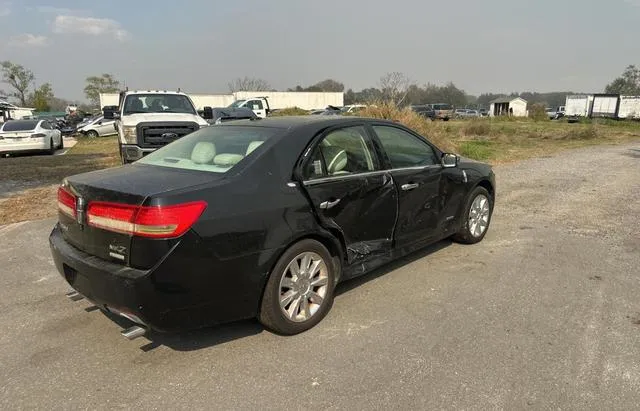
(90, 26)
(5, 8)
(59, 10)
(27, 40)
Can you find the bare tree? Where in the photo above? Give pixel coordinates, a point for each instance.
(18, 78)
(249, 84)
(395, 87)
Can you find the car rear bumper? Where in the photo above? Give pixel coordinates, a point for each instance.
(169, 297)
(8, 146)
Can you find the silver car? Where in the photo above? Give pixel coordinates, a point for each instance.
(98, 127)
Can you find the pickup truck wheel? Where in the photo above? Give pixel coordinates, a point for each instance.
(299, 292)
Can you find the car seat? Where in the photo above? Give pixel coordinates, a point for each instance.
(203, 152)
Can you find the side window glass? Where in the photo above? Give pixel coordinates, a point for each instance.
(255, 105)
(46, 126)
(405, 149)
(344, 151)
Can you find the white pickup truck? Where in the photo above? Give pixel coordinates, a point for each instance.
(259, 105)
(148, 120)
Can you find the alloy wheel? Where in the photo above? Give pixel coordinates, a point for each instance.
(303, 287)
(479, 215)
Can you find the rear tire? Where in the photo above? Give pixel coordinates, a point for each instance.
(477, 213)
(52, 148)
(292, 303)
(61, 146)
(92, 134)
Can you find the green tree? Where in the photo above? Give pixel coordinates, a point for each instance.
(628, 83)
(18, 78)
(105, 83)
(41, 98)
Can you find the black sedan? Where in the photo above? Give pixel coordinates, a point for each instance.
(261, 218)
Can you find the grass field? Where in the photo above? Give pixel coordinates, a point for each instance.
(28, 184)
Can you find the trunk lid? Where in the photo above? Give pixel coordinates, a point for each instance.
(129, 185)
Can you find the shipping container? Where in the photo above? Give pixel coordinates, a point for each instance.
(578, 105)
(605, 105)
(629, 107)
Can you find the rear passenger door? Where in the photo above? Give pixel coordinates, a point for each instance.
(417, 173)
(350, 192)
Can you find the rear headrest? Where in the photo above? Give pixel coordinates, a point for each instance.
(227, 159)
(203, 152)
(252, 146)
(336, 159)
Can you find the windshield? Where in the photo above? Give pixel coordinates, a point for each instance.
(215, 149)
(20, 125)
(158, 103)
(442, 107)
(237, 103)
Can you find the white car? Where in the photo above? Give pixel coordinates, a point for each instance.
(98, 127)
(17, 136)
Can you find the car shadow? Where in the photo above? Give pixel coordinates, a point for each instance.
(217, 335)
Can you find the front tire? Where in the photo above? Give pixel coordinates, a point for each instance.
(476, 217)
(299, 292)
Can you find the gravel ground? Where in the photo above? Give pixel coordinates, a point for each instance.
(542, 314)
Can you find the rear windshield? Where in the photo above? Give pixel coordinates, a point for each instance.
(20, 125)
(215, 149)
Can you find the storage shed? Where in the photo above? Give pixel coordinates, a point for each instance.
(508, 106)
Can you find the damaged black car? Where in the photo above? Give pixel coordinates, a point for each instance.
(261, 218)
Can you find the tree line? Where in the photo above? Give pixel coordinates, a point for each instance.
(394, 86)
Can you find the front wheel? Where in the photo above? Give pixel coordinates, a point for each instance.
(299, 292)
(476, 218)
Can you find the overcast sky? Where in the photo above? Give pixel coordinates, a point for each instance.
(199, 45)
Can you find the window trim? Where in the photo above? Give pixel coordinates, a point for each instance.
(438, 153)
(307, 155)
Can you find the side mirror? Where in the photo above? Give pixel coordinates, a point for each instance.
(208, 113)
(100, 122)
(449, 160)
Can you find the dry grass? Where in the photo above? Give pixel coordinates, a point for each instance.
(29, 182)
(507, 139)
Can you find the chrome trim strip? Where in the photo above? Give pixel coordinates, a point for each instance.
(367, 174)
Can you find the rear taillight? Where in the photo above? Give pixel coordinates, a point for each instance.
(153, 222)
(66, 202)
(38, 135)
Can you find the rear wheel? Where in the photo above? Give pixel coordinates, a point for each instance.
(52, 148)
(61, 145)
(92, 134)
(476, 218)
(299, 292)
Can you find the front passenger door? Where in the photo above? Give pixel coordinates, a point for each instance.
(351, 193)
(417, 173)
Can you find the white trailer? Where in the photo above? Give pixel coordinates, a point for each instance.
(109, 99)
(578, 105)
(629, 107)
(301, 99)
(605, 105)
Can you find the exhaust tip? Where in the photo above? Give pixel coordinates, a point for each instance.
(134, 332)
(75, 296)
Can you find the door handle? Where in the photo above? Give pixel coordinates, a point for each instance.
(329, 204)
(407, 187)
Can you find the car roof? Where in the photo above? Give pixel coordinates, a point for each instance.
(293, 122)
